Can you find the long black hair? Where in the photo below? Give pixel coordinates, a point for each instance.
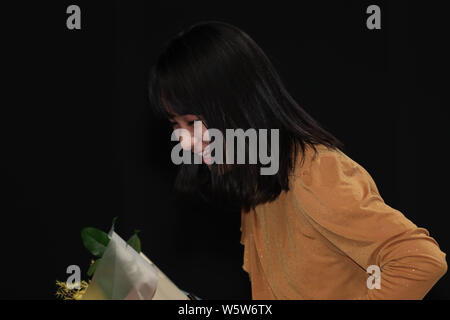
(216, 71)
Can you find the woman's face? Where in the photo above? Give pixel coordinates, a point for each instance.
(193, 142)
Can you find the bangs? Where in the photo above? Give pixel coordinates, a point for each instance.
(174, 85)
(162, 100)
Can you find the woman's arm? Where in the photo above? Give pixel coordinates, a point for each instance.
(342, 202)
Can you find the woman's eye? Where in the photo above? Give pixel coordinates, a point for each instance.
(192, 122)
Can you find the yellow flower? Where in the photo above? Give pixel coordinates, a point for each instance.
(65, 293)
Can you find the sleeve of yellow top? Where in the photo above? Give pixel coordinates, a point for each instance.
(342, 202)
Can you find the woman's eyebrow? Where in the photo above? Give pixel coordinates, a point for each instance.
(171, 114)
(191, 117)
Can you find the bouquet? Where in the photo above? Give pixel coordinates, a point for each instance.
(120, 272)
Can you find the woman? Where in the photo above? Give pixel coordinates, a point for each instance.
(317, 228)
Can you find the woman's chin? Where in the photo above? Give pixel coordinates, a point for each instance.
(207, 160)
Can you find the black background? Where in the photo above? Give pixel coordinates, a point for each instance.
(80, 146)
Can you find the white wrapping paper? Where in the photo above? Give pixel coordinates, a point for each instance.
(124, 274)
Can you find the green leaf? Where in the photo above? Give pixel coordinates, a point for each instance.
(94, 240)
(135, 242)
(92, 268)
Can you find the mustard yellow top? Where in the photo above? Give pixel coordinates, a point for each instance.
(317, 240)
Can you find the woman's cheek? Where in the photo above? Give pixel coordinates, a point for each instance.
(185, 139)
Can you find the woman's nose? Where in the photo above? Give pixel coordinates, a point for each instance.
(191, 140)
(190, 143)
(197, 144)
